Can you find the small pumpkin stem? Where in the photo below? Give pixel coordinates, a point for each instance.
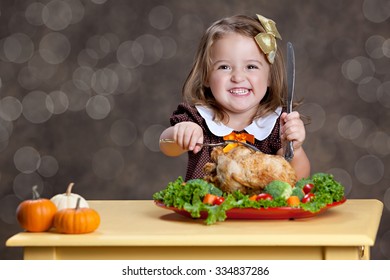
(78, 203)
(69, 189)
(35, 192)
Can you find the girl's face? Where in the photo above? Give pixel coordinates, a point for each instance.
(239, 74)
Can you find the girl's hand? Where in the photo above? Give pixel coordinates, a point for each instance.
(187, 134)
(292, 129)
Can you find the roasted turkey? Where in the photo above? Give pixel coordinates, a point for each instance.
(247, 171)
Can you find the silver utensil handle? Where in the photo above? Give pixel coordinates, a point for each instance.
(289, 153)
(216, 144)
(243, 143)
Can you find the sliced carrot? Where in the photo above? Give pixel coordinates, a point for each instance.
(228, 147)
(293, 201)
(209, 199)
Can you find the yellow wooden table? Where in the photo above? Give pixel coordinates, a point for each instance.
(138, 229)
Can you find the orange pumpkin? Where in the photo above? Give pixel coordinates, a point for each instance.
(76, 220)
(36, 214)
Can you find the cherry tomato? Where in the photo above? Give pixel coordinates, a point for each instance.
(307, 188)
(264, 196)
(213, 199)
(308, 197)
(218, 200)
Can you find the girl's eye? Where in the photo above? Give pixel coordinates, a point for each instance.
(224, 67)
(252, 67)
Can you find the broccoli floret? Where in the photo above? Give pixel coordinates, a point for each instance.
(279, 189)
(298, 192)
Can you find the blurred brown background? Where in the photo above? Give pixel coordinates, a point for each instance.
(87, 86)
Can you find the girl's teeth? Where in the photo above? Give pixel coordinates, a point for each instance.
(239, 91)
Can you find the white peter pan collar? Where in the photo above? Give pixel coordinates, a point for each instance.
(260, 128)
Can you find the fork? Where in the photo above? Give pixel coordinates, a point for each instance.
(216, 144)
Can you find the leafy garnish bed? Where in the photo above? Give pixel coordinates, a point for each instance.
(189, 196)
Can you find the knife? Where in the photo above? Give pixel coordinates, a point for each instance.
(289, 152)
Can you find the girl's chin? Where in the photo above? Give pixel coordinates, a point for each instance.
(242, 109)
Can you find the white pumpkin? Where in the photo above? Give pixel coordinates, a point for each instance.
(68, 199)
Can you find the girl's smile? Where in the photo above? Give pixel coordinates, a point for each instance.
(240, 91)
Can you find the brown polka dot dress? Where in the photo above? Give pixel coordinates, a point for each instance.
(188, 113)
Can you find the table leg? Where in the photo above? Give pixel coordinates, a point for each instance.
(347, 253)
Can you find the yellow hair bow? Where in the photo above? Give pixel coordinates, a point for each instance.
(266, 41)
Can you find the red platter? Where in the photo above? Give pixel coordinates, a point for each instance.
(277, 213)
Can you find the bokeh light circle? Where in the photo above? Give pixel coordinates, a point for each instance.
(82, 77)
(369, 169)
(54, 47)
(374, 46)
(376, 10)
(104, 81)
(10, 108)
(57, 102)
(125, 77)
(383, 94)
(98, 107)
(160, 17)
(23, 183)
(151, 137)
(380, 143)
(99, 46)
(34, 13)
(78, 10)
(169, 47)
(37, 107)
(27, 159)
(130, 54)
(386, 48)
(361, 130)
(123, 132)
(18, 48)
(152, 48)
(57, 15)
(358, 68)
(350, 127)
(48, 166)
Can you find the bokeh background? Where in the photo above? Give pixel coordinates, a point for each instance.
(87, 86)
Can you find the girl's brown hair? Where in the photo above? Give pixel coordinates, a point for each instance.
(196, 93)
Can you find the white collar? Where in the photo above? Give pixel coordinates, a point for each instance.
(260, 128)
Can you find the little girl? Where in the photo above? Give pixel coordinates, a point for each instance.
(236, 90)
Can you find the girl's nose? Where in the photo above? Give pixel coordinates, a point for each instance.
(237, 76)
